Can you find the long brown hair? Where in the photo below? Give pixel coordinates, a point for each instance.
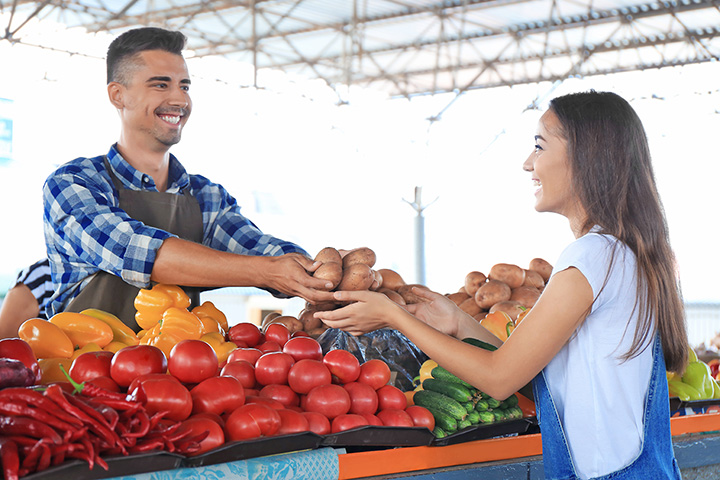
(613, 178)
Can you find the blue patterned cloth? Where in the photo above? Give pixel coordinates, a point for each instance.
(86, 231)
(320, 464)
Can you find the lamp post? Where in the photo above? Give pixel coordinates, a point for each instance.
(419, 232)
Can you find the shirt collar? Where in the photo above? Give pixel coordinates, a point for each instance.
(178, 178)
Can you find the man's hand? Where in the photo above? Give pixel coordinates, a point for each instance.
(291, 274)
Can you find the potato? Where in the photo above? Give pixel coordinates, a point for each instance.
(542, 267)
(391, 279)
(328, 255)
(292, 323)
(308, 320)
(357, 276)
(512, 307)
(377, 281)
(269, 317)
(458, 297)
(480, 316)
(393, 295)
(316, 332)
(322, 306)
(470, 307)
(533, 279)
(492, 292)
(527, 296)
(473, 280)
(508, 273)
(331, 272)
(362, 255)
(410, 297)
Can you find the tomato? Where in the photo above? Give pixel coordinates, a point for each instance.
(105, 382)
(250, 355)
(159, 394)
(292, 421)
(375, 373)
(391, 397)
(372, 419)
(246, 333)
(136, 360)
(330, 400)
(144, 377)
(273, 367)
(421, 416)
(277, 332)
(90, 365)
(303, 347)
(212, 416)
(317, 423)
(268, 419)
(348, 421)
(300, 333)
(307, 374)
(192, 361)
(343, 365)
(363, 398)
(19, 349)
(241, 426)
(196, 426)
(269, 346)
(395, 418)
(281, 393)
(267, 401)
(251, 392)
(241, 370)
(217, 395)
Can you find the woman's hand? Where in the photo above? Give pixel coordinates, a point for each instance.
(439, 311)
(369, 311)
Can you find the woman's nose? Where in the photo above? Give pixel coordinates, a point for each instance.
(528, 163)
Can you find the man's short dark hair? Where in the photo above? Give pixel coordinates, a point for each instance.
(128, 45)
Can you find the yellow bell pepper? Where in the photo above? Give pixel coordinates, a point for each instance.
(426, 370)
(181, 323)
(114, 346)
(83, 329)
(683, 391)
(88, 347)
(121, 332)
(50, 369)
(222, 348)
(210, 325)
(208, 309)
(164, 341)
(150, 305)
(46, 339)
(177, 294)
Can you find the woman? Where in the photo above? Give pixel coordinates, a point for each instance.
(608, 323)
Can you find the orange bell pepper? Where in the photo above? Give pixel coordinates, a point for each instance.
(50, 369)
(121, 332)
(177, 294)
(83, 329)
(114, 346)
(208, 309)
(222, 348)
(46, 339)
(209, 325)
(164, 341)
(150, 305)
(88, 347)
(181, 323)
(499, 324)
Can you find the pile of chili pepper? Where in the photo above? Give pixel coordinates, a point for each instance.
(43, 427)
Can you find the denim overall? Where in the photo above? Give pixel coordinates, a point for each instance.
(656, 459)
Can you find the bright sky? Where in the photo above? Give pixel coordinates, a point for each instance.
(342, 175)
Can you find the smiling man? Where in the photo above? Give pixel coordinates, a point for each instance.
(119, 222)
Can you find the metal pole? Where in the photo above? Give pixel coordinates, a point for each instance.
(419, 235)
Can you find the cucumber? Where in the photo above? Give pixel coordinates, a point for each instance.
(469, 406)
(480, 343)
(464, 424)
(440, 373)
(437, 401)
(510, 402)
(447, 423)
(515, 412)
(481, 406)
(499, 415)
(486, 417)
(474, 417)
(493, 403)
(457, 392)
(439, 432)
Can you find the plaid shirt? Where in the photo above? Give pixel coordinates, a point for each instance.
(86, 231)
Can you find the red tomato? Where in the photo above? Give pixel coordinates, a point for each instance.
(268, 419)
(217, 395)
(241, 370)
(135, 360)
(375, 373)
(196, 426)
(317, 423)
(273, 367)
(267, 401)
(307, 374)
(395, 418)
(277, 332)
(19, 349)
(372, 419)
(421, 416)
(330, 400)
(142, 378)
(247, 333)
(348, 421)
(281, 393)
(241, 426)
(303, 347)
(89, 365)
(159, 394)
(300, 333)
(212, 416)
(292, 421)
(391, 397)
(363, 398)
(105, 382)
(269, 346)
(250, 355)
(343, 365)
(192, 361)
(251, 392)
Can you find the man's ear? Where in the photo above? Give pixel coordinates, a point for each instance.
(115, 94)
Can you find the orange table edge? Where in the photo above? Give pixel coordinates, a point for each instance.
(409, 459)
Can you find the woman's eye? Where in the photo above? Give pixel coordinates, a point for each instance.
(537, 148)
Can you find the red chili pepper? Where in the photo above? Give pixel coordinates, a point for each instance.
(32, 456)
(21, 409)
(10, 458)
(36, 399)
(118, 404)
(45, 458)
(110, 414)
(28, 426)
(148, 445)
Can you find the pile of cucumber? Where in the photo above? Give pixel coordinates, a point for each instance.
(456, 404)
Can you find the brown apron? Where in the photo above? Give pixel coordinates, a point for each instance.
(177, 214)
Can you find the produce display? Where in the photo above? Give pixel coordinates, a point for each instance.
(699, 382)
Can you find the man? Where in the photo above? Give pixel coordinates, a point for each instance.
(117, 222)
(26, 299)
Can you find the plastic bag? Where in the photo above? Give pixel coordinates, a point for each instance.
(391, 346)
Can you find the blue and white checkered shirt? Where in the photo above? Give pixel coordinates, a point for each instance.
(86, 231)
